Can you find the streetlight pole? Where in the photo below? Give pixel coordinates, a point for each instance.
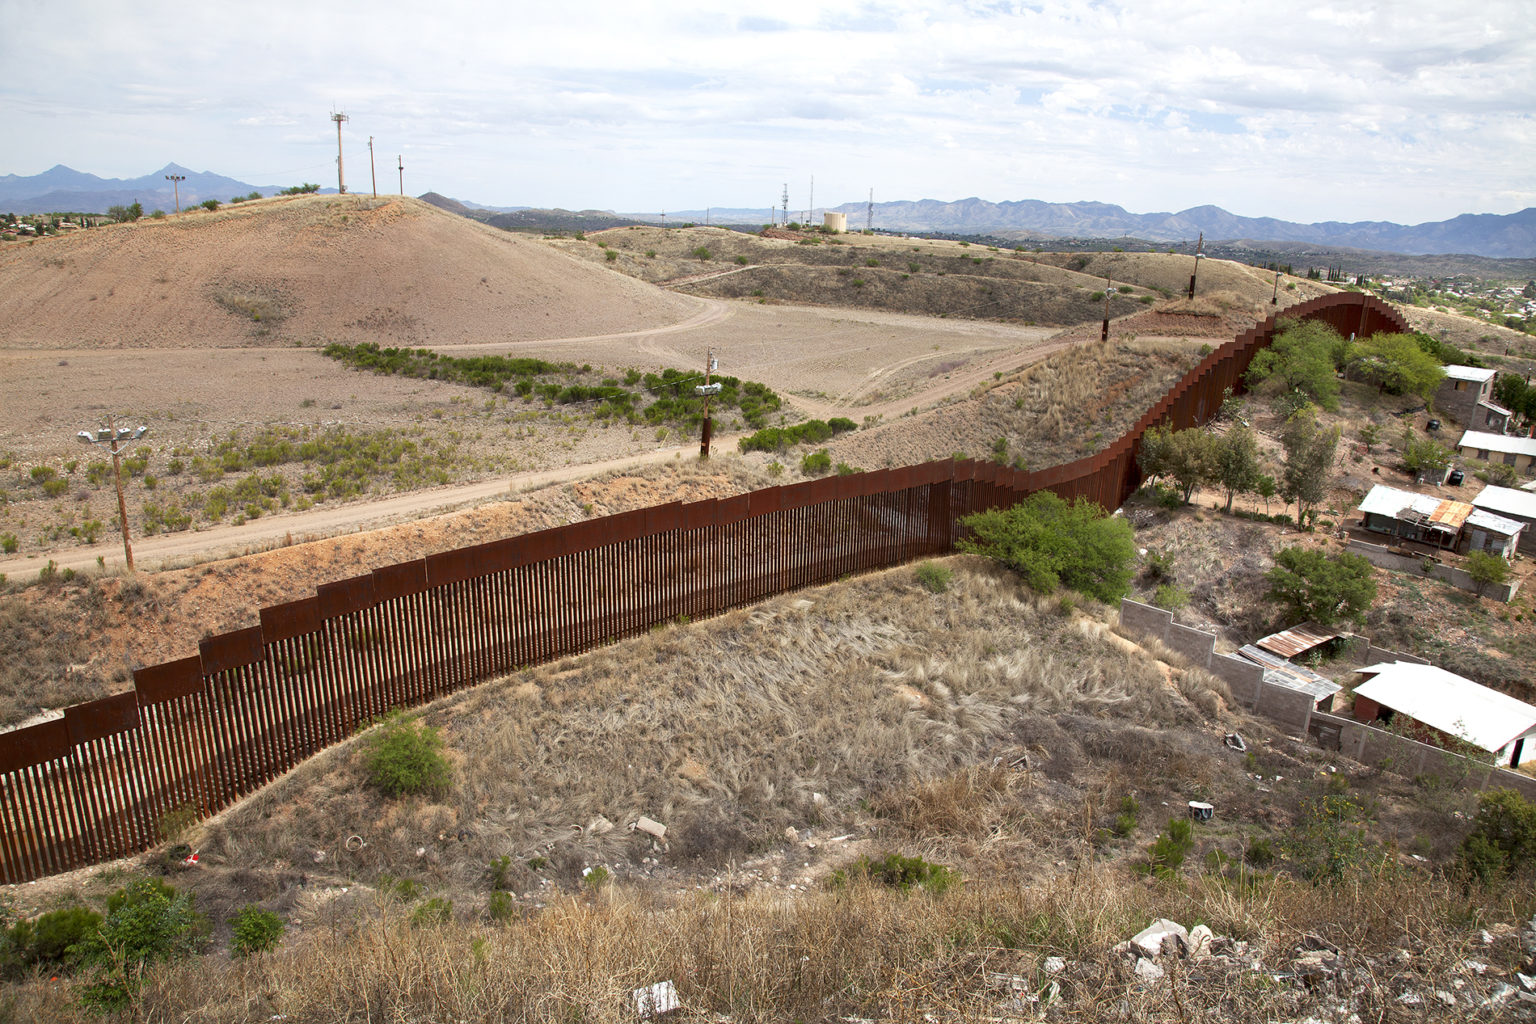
(110, 435)
(176, 180)
(706, 390)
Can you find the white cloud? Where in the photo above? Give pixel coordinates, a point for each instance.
(1406, 111)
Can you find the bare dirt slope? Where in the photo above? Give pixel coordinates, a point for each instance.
(306, 270)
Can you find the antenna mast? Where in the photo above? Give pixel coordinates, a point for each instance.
(373, 171)
(341, 182)
(812, 211)
(869, 216)
(402, 173)
(785, 200)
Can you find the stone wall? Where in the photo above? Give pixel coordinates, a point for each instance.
(1403, 756)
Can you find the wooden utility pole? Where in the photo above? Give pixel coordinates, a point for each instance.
(374, 173)
(1104, 330)
(1274, 300)
(176, 180)
(1199, 248)
(707, 427)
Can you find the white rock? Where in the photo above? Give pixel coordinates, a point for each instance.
(1055, 964)
(651, 828)
(1527, 982)
(1445, 997)
(1475, 966)
(1151, 938)
(1410, 998)
(1148, 971)
(1200, 939)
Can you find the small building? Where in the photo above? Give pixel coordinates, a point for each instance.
(1422, 518)
(1438, 704)
(1495, 418)
(1462, 389)
(1512, 503)
(1519, 452)
(1495, 534)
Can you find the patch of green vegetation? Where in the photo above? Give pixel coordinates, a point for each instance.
(898, 872)
(405, 757)
(777, 439)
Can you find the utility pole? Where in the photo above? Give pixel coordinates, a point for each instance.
(371, 170)
(1199, 253)
(1104, 330)
(707, 389)
(1274, 300)
(869, 216)
(341, 182)
(110, 435)
(176, 180)
(812, 211)
(402, 173)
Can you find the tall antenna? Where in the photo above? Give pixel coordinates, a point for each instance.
(372, 171)
(869, 215)
(812, 211)
(402, 173)
(341, 182)
(785, 200)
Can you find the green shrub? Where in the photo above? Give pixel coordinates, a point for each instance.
(433, 911)
(898, 872)
(210, 204)
(1051, 543)
(741, 261)
(501, 906)
(1166, 854)
(8, 543)
(933, 577)
(1503, 836)
(254, 930)
(701, 253)
(147, 922)
(48, 941)
(1170, 597)
(405, 756)
(611, 255)
(1260, 853)
(1125, 821)
(816, 463)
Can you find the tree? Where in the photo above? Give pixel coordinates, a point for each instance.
(1487, 569)
(1514, 394)
(1369, 435)
(124, 214)
(299, 190)
(1052, 543)
(1299, 365)
(1311, 585)
(1235, 462)
(1395, 363)
(210, 205)
(1424, 456)
(1308, 466)
(1152, 454)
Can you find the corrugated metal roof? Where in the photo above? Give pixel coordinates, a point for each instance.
(1501, 443)
(1468, 373)
(1507, 501)
(1448, 702)
(1280, 672)
(1494, 524)
(1495, 407)
(1421, 509)
(1288, 643)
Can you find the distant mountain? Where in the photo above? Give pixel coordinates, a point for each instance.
(62, 188)
(1509, 235)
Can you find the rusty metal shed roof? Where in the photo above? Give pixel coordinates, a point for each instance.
(1288, 643)
(1280, 672)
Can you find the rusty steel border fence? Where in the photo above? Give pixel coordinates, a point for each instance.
(196, 734)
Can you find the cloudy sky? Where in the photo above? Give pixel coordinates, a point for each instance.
(1406, 111)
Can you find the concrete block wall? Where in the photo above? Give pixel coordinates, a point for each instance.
(1456, 577)
(1403, 756)
(1145, 620)
(1377, 655)
(1196, 646)
(1242, 677)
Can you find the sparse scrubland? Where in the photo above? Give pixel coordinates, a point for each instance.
(1000, 735)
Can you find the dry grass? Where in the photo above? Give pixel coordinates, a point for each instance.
(862, 952)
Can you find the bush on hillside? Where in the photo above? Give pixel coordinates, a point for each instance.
(1052, 543)
(405, 756)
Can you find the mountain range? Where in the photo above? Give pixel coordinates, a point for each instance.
(65, 190)
(1495, 235)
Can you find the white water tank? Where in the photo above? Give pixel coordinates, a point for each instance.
(837, 223)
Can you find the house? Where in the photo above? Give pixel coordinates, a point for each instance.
(1423, 518)
(1279, 671)
(1461, 391)
(1435, 704)
(1441, 522)
(1494, 417)
(1512, 503)
(1519, 452)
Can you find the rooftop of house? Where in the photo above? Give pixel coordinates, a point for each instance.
(1485, 441)
(1473, 373)
(1507, 501)
(1421, 509)
(1453, 704)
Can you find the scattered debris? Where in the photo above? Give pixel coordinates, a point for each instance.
(599, 826)
(1156, 937)
(1235, 741)
(355, 843)
(1201, 811)
(1055, 964)
(654, 829)
(655, 1000)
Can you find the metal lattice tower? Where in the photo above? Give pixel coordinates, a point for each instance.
(785, 200)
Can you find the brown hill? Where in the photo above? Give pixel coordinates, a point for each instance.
(307, 270)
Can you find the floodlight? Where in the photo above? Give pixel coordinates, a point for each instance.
(86, 437)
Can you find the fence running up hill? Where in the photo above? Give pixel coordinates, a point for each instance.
(196, 734)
